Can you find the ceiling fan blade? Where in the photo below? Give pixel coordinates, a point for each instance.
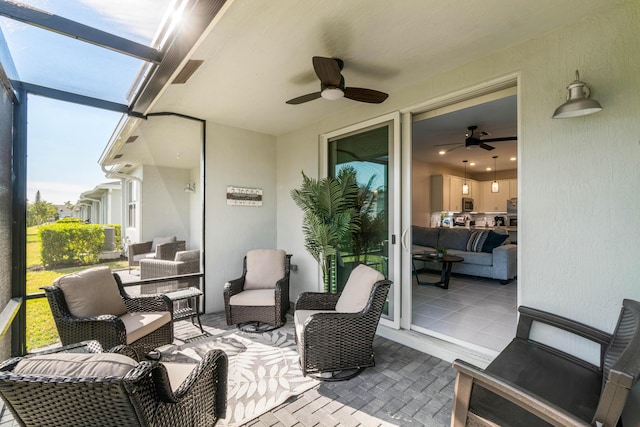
(304, 98)
(365, 95)
(506, 138)
(486, 147)
(328, 70)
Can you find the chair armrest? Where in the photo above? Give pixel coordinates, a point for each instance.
(208, 377)
(317, 301)
(158, 302)
(469, 375)
(233, 287)
(126, 350)
(139, 248)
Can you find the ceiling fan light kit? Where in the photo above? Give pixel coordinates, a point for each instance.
(332, 85)
(578, 102)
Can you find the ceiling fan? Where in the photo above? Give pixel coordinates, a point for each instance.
(473, 140)
(332, 85)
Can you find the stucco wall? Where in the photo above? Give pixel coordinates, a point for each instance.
(579, 177)
(165, 205)
(6, 204)
(245, 159)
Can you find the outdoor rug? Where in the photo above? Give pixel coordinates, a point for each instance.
(263, 368)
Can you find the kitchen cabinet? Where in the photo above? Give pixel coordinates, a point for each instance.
(446, 192)
(513, 188)
(493, 202)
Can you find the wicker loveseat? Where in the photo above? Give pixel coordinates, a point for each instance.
(184, 262)
(110, 389)
(335, 332)
(93, 305)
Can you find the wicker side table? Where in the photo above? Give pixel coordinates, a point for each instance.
(192, 296)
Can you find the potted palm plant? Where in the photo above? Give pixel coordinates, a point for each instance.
(329, 217)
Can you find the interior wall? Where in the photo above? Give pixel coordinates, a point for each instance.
(195, 210)
(239, 158)
(165, 205)
(578, 177)
(6, 210)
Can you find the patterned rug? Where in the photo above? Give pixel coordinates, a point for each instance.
(263, 368)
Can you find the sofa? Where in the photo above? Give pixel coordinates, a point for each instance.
(486, 253)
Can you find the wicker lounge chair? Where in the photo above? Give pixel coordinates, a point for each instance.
(259, 300)
(107, 389)
(335, 332)
(93, 305)
(184, 262)
(531, 384)
(158, 248)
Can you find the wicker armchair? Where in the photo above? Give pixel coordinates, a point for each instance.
(158, 248)
(261, 295)
(335, 332)
(93, 305)
(185, 262)
(532, 384)
(113, 390)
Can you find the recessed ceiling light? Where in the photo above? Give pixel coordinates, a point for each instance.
(442, 152)
(488, 169)
(513, 158)
(472, 164)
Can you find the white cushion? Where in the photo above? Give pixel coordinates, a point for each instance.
(357, 290)
(178, 372)
(147, 255)
(264, 268)
(141, 324)
(76, 365)
(254, 297)
(301, 316)
(161, 240)
(91, 292)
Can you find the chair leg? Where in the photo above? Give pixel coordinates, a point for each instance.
(255, 327)
(461, 398)
(336, 376)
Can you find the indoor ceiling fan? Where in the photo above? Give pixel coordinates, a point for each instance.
(473, 140)
(332, 85)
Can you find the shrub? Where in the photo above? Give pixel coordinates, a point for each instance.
(69, 220)
(71, 244)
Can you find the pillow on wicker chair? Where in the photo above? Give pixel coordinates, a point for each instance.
(76, 365)
(91, 292)
(357, 290)
(264, 268)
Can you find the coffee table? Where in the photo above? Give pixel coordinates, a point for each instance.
(445, 272)
(192, 295)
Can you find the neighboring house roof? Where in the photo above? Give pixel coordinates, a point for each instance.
(97, 191)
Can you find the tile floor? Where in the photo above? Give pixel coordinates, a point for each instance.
(473, 310)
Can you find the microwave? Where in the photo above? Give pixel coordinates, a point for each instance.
(467, 204)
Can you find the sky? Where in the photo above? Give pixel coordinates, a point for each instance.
(66, 140)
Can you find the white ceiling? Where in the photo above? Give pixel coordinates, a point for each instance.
(258, 54)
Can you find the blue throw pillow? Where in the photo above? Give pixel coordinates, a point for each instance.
(493, 241)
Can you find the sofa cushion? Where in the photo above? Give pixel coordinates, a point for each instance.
(141, 324)
(254, 297)
(474, 258)
(91, 292)
(476, 240)
(178, 372)
(76, 365)
(161, 241)
(493, 241)
(146, 255)
(357, 290)
(453, 238)
(265, 267)
(424, 236)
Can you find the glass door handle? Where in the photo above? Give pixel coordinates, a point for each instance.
(403, 240)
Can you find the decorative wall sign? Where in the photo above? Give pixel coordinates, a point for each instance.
(237, 196)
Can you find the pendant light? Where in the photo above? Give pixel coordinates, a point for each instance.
(465, 186)
(494, 185)
(578, 102)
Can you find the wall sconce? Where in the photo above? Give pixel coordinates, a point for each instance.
(190, 188)
(465, 186)
(578, 102)
(495, 187)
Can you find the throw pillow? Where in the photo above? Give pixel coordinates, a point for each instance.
(493, 241)
(477, 238)
(357, 290)
(91, 292)
(264, 268)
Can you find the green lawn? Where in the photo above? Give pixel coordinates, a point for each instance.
(41, 329)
